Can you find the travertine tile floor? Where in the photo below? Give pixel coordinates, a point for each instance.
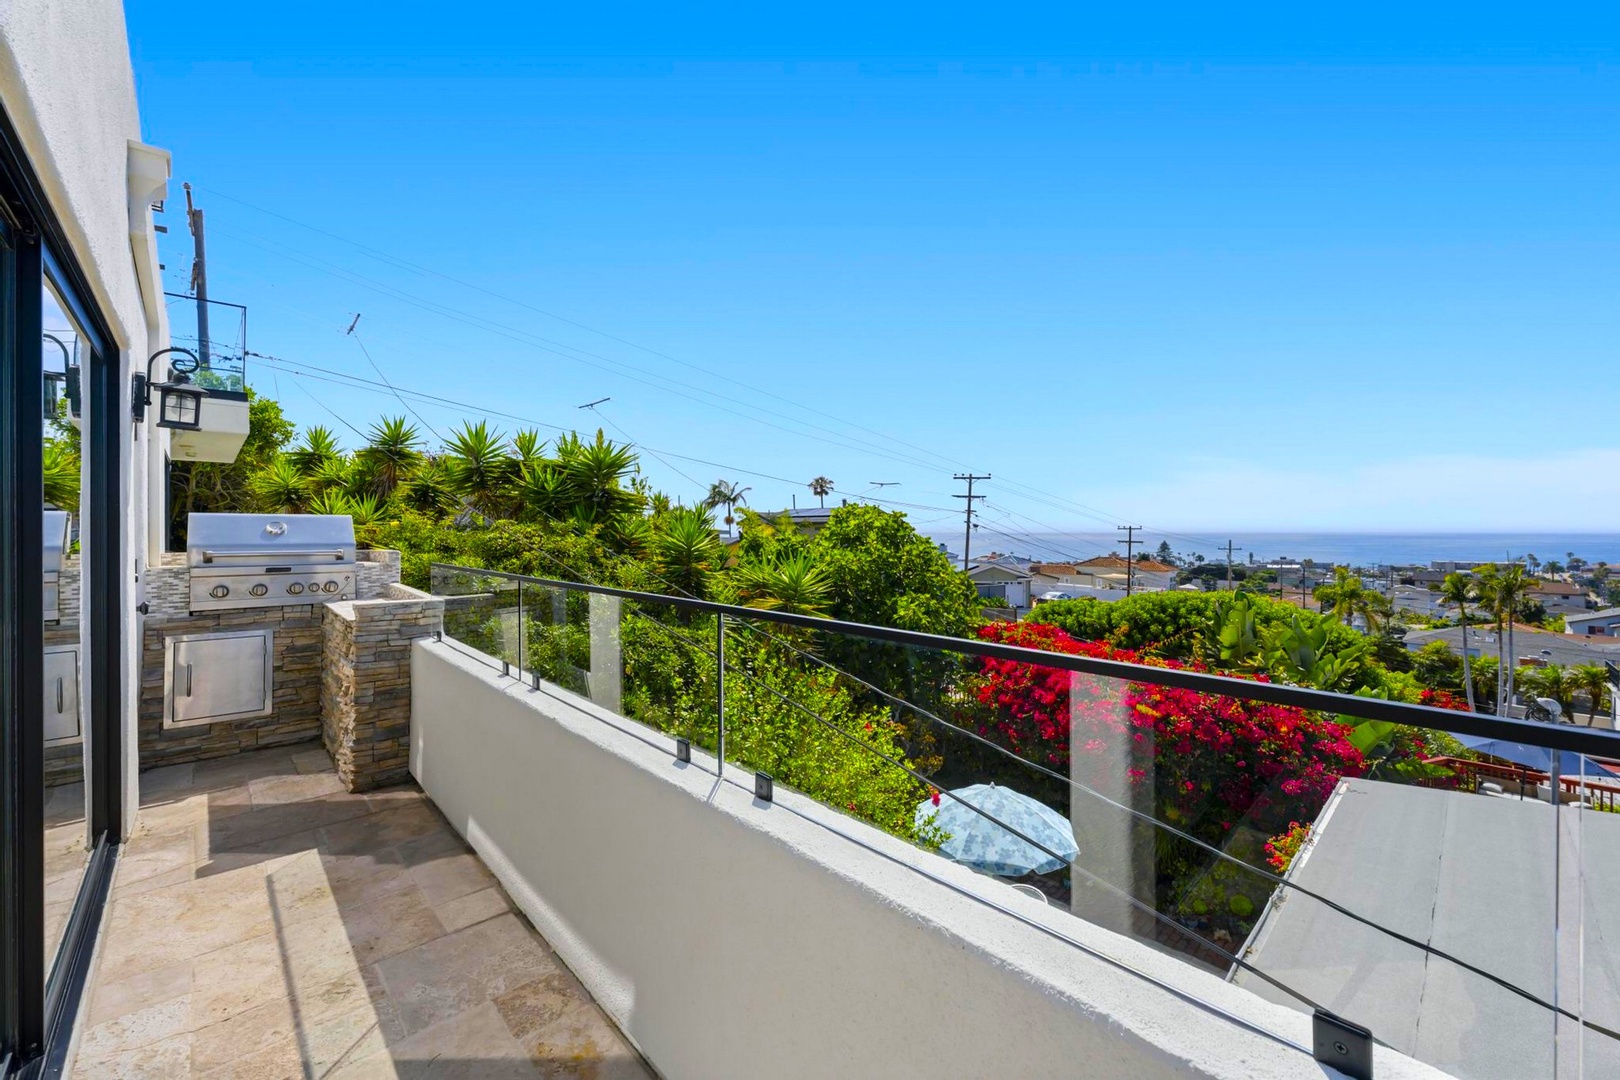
(264, 923)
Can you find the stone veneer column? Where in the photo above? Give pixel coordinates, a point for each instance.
(366, 683)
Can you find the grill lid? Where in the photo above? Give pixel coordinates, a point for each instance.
(56, 540)
(291, 539)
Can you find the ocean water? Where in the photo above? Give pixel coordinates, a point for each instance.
(1354, 549)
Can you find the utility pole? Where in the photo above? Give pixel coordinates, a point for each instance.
(199, 277)
(967, 534)
(1229, 550)
(1130, 566)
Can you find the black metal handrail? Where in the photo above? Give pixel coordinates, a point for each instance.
(1590, 741)
(1524, 731)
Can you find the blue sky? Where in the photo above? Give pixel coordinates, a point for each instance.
(1256, 273)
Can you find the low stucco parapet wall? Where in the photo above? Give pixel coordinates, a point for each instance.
(734, 938)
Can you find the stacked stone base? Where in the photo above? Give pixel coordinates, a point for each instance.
(342, 673)
(366, 683)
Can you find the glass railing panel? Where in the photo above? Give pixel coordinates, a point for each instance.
(481, 611)
(1420, 883)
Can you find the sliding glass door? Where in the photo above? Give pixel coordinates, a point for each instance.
(63, 435)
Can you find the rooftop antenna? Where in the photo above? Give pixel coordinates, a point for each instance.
(353, 324)
(884, 483)
(594, 404)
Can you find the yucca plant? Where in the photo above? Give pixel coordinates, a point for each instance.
(280, 488)
(318, 445)
(688, 551)
(61, 476)
(391, 454)
(332, 501)
(429, 489)
(480, 466)
(793, 584)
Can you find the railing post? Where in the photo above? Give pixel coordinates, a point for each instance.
(520, 631)
(720, 688)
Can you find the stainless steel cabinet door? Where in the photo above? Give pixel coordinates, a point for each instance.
(61, 694)
(214, 677)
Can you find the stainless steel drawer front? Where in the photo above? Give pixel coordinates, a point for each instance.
(61, 694)
(210, 678)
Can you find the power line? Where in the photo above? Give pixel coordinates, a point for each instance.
(367, 352)
(1027, 491)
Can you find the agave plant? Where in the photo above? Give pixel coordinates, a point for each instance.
(597, 474)
(280, 488)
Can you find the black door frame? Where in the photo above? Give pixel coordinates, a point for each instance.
(39, 998)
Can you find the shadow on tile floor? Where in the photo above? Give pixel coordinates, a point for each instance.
(265, 923)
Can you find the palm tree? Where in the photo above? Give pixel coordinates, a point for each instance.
(1552, 682)
(1512, 587)
(1487, 578)
(1458, 589)
(726, 493)
(391, 453)
(821, 487)
(1345, 597)
(1594, 679)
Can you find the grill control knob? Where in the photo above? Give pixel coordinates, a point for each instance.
(314, 586)
(219, 592)
(259, 590)
(293, 588)
(330, 586)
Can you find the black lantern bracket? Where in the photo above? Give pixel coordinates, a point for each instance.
(180, 402)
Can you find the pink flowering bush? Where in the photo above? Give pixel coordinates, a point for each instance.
(1216, 761)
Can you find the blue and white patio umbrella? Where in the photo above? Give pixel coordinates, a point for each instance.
(978, 842)
(1535, 757)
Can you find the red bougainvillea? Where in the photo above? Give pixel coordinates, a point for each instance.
(1214, 760)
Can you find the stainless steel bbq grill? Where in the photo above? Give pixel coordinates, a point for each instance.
(267, 560)
(56, 545)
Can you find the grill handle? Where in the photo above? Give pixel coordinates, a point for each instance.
(188, 680)
(60, 703)
(258, 555)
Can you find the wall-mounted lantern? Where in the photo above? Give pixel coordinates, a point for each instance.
(179, 402)
(61, 383)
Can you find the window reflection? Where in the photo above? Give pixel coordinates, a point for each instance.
(63, 352)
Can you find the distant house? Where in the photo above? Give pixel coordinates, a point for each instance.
(1417, 599)
(1001, 580)
(1559, 597)
(1112, 570)
(1605, 623)
(1533, 646)
(809, 520)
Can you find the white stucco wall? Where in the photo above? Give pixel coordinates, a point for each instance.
(68, 88)
(733, 938)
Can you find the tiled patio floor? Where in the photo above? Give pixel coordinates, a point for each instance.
(266, 924)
